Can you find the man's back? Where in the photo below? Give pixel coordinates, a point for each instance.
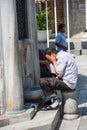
(68, 68)
(60, 39)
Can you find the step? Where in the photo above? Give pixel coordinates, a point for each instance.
(76, 52)
(43, 120)
(9, 119)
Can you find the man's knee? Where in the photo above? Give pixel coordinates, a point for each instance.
(42, 81)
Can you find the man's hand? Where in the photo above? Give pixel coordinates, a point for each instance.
(59, 75)
(51, 59)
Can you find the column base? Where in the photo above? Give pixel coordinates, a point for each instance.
(15, 111)
(70, 116)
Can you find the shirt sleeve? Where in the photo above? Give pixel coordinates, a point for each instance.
(61, 65)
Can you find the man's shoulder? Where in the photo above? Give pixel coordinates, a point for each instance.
(59, 34)
(62, 53)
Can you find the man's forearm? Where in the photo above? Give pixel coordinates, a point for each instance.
(55, 68)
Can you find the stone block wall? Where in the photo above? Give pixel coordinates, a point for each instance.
(76, 15)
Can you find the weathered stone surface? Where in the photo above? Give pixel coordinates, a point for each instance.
(70, 106)
(44, 120)
(67, 95)
(70, 116)
(16, 118)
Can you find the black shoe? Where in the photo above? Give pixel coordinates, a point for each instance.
(47, 102)
(59, 101)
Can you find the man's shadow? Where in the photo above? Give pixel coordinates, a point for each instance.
(81, 93)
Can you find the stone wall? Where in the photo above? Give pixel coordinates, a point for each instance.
(76, 15)
(11, 85)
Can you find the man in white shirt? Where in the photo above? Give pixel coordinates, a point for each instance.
(66, 70)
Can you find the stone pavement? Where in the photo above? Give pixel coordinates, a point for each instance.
(81, 122)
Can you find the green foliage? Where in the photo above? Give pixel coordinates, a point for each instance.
(41, 18)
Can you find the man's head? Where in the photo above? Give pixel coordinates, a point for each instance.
(50, 54)
(61, 28)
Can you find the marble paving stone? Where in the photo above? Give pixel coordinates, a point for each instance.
(82, 101)
(69, 125)
(82, 96)
(84, 91)
(83, 124)
(79, 112)
(84, 111)
(84, 117)
(82, 129)
(85, 104)
(68, 128)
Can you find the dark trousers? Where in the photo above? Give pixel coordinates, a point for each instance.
(50, 85)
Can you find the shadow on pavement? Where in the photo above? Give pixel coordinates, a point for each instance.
(82, 94)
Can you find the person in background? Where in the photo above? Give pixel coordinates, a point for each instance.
(60, 42)
(66, 76)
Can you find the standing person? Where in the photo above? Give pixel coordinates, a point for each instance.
(60, 38)
(66, 75)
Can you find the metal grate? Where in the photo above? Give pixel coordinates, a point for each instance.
(21, 18)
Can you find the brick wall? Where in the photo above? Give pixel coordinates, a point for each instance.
(76, 14)
(60, 14)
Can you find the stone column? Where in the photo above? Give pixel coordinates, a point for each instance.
(2, 85)
(12, 65)
(32, 50)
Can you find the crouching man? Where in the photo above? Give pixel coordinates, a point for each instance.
(66, 76)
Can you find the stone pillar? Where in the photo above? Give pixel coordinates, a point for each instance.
(2, 85)
(33, 68)
(12, 65)
(70, 105)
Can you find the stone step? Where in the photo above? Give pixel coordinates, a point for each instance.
(43, 120)
(79, 52)
(9, 119)
(75, 52)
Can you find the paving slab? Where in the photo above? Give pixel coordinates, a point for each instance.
(68, 125)
(83, 124)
